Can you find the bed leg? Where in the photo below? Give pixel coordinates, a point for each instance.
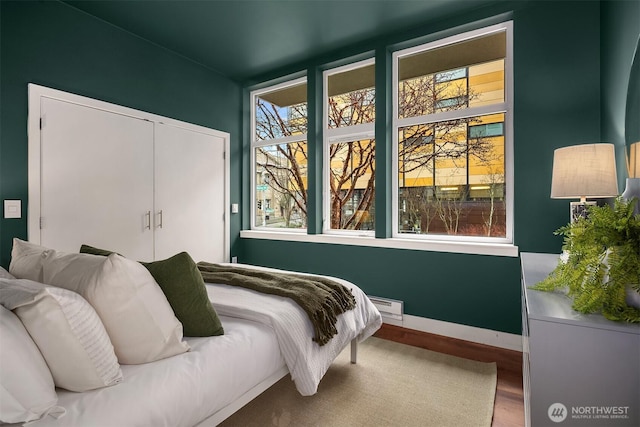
(354, 350)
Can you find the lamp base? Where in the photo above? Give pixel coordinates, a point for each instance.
(579, 210)
(632, 190)
(632, 297)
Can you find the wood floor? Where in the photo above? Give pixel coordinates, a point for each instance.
(509, 407)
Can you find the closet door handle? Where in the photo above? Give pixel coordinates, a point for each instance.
(148, 215)
(160, 223)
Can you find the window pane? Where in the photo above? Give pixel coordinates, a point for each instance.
(281, 113)
(452, 177)
(490, 129)
(446, 76)
(281, 185)
(453, 77)
(351, 97)
(352, 185)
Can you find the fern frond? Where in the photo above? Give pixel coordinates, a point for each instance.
(604, 259)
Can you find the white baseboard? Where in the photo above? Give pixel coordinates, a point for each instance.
(461, 332)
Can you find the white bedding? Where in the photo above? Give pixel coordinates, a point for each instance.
(306, 360)
(181, 390)
(262, 334)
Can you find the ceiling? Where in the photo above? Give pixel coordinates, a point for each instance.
(245, 38)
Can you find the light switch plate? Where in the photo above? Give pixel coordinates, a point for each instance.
(234, 208)
(13, 208)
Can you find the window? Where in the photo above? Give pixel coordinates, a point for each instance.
(492, 129)
(446, 76)
(279, 156)
(451, 169)
(349, 120)
(450, 114)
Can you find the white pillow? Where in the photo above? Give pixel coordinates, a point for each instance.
(68, 332)
(27, 392)
(4, 274)
(133, 308)
(26, 260)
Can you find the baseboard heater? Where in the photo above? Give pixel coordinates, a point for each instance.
(390, 309)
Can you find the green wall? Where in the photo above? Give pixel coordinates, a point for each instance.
(54, 45)
(557, 103)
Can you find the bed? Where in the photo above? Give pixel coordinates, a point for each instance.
(265, 338)
(151, 373)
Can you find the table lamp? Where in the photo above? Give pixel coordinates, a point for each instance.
(586, 171)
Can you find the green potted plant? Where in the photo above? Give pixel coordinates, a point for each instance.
(600, 268)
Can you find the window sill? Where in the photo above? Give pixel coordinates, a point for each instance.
(496, 249)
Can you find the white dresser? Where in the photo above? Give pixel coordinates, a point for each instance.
(578, 370)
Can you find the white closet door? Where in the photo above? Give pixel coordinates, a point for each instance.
(189, 193)
(96, 180)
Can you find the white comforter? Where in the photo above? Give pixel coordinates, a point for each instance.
(306, 360)
(183, 390)
(178, 391)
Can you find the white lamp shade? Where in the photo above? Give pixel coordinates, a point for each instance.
(634, 160)
(584, 171)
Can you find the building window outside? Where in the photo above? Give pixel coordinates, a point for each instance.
(349, 127)
(279, 156)
(450, 116)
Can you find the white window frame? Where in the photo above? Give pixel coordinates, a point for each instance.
(255, 143)
(462, 245)
(337, 135)
(505, 107)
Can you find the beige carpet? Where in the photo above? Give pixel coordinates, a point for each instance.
(391, 385)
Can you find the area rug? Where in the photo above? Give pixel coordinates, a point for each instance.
(391, 385)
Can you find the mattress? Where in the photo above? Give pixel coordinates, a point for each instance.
(181, 390)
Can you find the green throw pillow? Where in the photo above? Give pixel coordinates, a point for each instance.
(184, 287)
(86, 249)
(182, 284)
